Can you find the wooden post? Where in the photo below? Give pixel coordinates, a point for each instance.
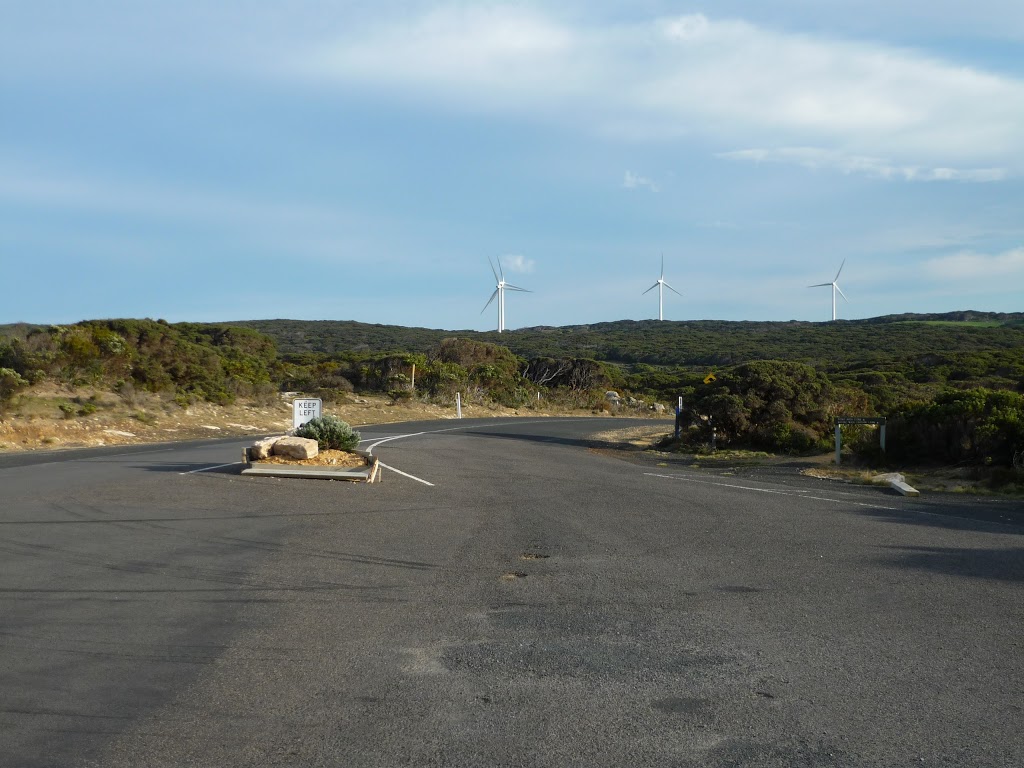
(839, 441)
(881, 437)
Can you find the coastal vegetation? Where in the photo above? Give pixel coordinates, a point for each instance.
(951, 386)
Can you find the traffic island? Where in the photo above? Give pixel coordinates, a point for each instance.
(356, 466)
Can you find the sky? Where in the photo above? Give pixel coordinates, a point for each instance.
(198, 161)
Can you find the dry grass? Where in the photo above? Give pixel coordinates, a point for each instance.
(36, 422)
(638, 438)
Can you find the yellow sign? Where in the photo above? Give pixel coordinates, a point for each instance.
(709, 378)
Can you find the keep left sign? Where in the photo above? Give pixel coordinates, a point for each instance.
(306, 410)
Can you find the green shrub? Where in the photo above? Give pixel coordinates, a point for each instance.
(330, 432)
(11, 382)
(146, 418)
(400, 396)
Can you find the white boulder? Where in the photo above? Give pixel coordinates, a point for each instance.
(296, 447)
(262, 449)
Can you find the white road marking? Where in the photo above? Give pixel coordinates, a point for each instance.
(466, 427)
(515, 422)
(800, 495)
(405, 474)
(207, 469)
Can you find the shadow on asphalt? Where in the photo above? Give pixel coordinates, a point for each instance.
(994, 564)
(191, 467)
(573, 441)
(990, 516)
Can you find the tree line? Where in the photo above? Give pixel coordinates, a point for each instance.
(951, 385)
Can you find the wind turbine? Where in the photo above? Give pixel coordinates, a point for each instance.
(661, 285)
(499, 291)
(835, 287)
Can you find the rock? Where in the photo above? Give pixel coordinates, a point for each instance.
(658, 408)
(262, 449)
(296, 447)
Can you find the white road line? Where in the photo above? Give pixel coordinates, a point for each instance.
(207, 469)
(406, 474)
(464, 427)
(799, 495)
(369, 448)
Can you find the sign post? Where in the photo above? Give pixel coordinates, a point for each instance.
(306, 410)
(878, 421)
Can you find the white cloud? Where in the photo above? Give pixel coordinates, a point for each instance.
(728, 80)
(491, 52)
(635, 181)
(817, 159)
(517, 263)
(969, 266)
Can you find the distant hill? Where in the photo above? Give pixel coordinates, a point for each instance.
(859, 344)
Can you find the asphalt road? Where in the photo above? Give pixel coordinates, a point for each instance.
(539, 603)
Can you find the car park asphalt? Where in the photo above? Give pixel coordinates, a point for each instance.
(506, 596)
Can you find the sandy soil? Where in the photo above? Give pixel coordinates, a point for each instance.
(92, 417)
(328, 458)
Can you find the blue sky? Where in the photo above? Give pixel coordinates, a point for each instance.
(332, 160)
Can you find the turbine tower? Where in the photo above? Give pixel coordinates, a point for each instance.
(661, 285)
(835, 287)
(499, 292)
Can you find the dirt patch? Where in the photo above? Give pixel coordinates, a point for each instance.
(48, 417)
(633, 438)
(328, 458)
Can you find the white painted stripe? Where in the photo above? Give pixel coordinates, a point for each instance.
(207, 469)
(369, 448)
(465, 428)
(405, 474)
(799, 495)
(462, 428)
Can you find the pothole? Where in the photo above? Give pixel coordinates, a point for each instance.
(533, 556)
(513, 575)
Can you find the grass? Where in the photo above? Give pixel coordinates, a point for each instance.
(970, 481)
(146, 418)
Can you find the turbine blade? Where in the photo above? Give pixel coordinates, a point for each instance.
(650, 289)
(819, 285)
(500, 270)
(496, 278)
(509, 287)
(677, 293)
(842, 294)
(489, 301)
(663, 266)
(840, 270)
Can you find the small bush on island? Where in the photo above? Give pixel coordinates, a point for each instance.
(330, 432)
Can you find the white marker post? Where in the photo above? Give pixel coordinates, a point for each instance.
(306, 410)
(458, 405)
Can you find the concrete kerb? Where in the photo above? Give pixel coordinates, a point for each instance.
(897, 482)
(369, 474)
